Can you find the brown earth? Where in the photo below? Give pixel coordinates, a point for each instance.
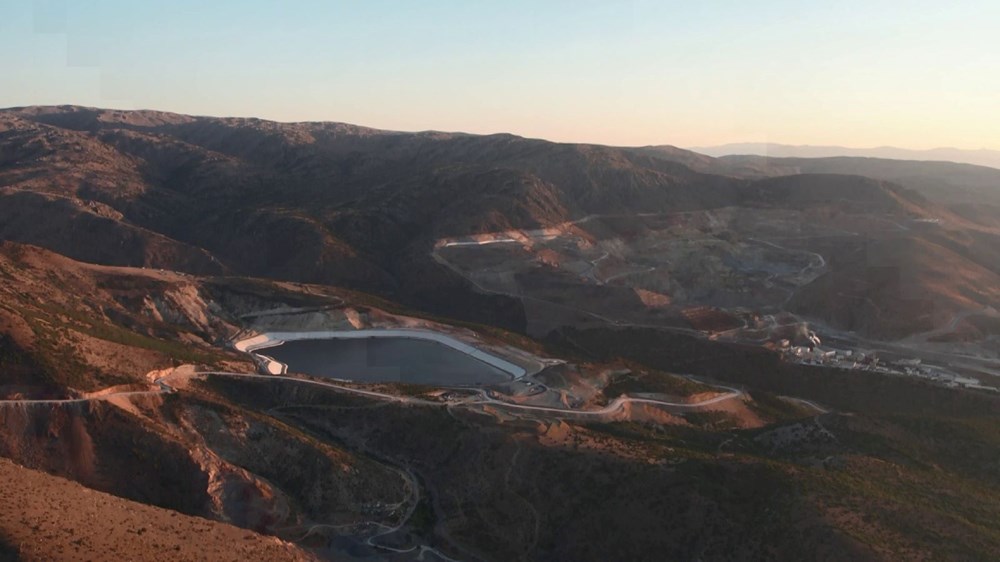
(45, 517)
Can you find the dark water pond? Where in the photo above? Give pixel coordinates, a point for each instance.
(385, 359)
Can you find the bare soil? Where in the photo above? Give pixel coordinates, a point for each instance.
(47, 518)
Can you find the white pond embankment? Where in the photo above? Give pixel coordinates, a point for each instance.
(273, 339)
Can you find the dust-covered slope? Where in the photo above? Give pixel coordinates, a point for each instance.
(48, 518)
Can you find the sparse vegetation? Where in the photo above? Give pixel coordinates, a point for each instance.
(775, 409)
(652, 382)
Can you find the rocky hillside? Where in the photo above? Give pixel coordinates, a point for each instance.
(339, 204)
(75, 400)
(325, 469)
(74, 327)
(68, 327)
(310, 201)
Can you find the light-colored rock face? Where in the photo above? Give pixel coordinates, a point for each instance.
(188, 300)
(308, 321)
(181, 304)
(354, 318)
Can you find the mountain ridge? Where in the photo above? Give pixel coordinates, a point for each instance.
(345, 205)
(981, 157)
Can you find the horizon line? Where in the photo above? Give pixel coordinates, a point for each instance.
(690, 148)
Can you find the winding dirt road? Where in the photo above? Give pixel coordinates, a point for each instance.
(484, 397)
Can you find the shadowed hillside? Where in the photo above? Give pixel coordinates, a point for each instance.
(340, 204)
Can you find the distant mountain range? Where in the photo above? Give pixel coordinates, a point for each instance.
(980, 157)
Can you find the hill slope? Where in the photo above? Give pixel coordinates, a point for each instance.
(44, 517)
(981, 157)
(879, 484)
(335, 203)
(947, 182)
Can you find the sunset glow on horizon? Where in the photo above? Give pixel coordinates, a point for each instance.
(910, 74)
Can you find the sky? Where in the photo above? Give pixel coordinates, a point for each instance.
(908, 73)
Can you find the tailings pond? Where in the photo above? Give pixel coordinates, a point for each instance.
(385, 359)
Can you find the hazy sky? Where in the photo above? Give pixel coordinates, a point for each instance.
(909, 73)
